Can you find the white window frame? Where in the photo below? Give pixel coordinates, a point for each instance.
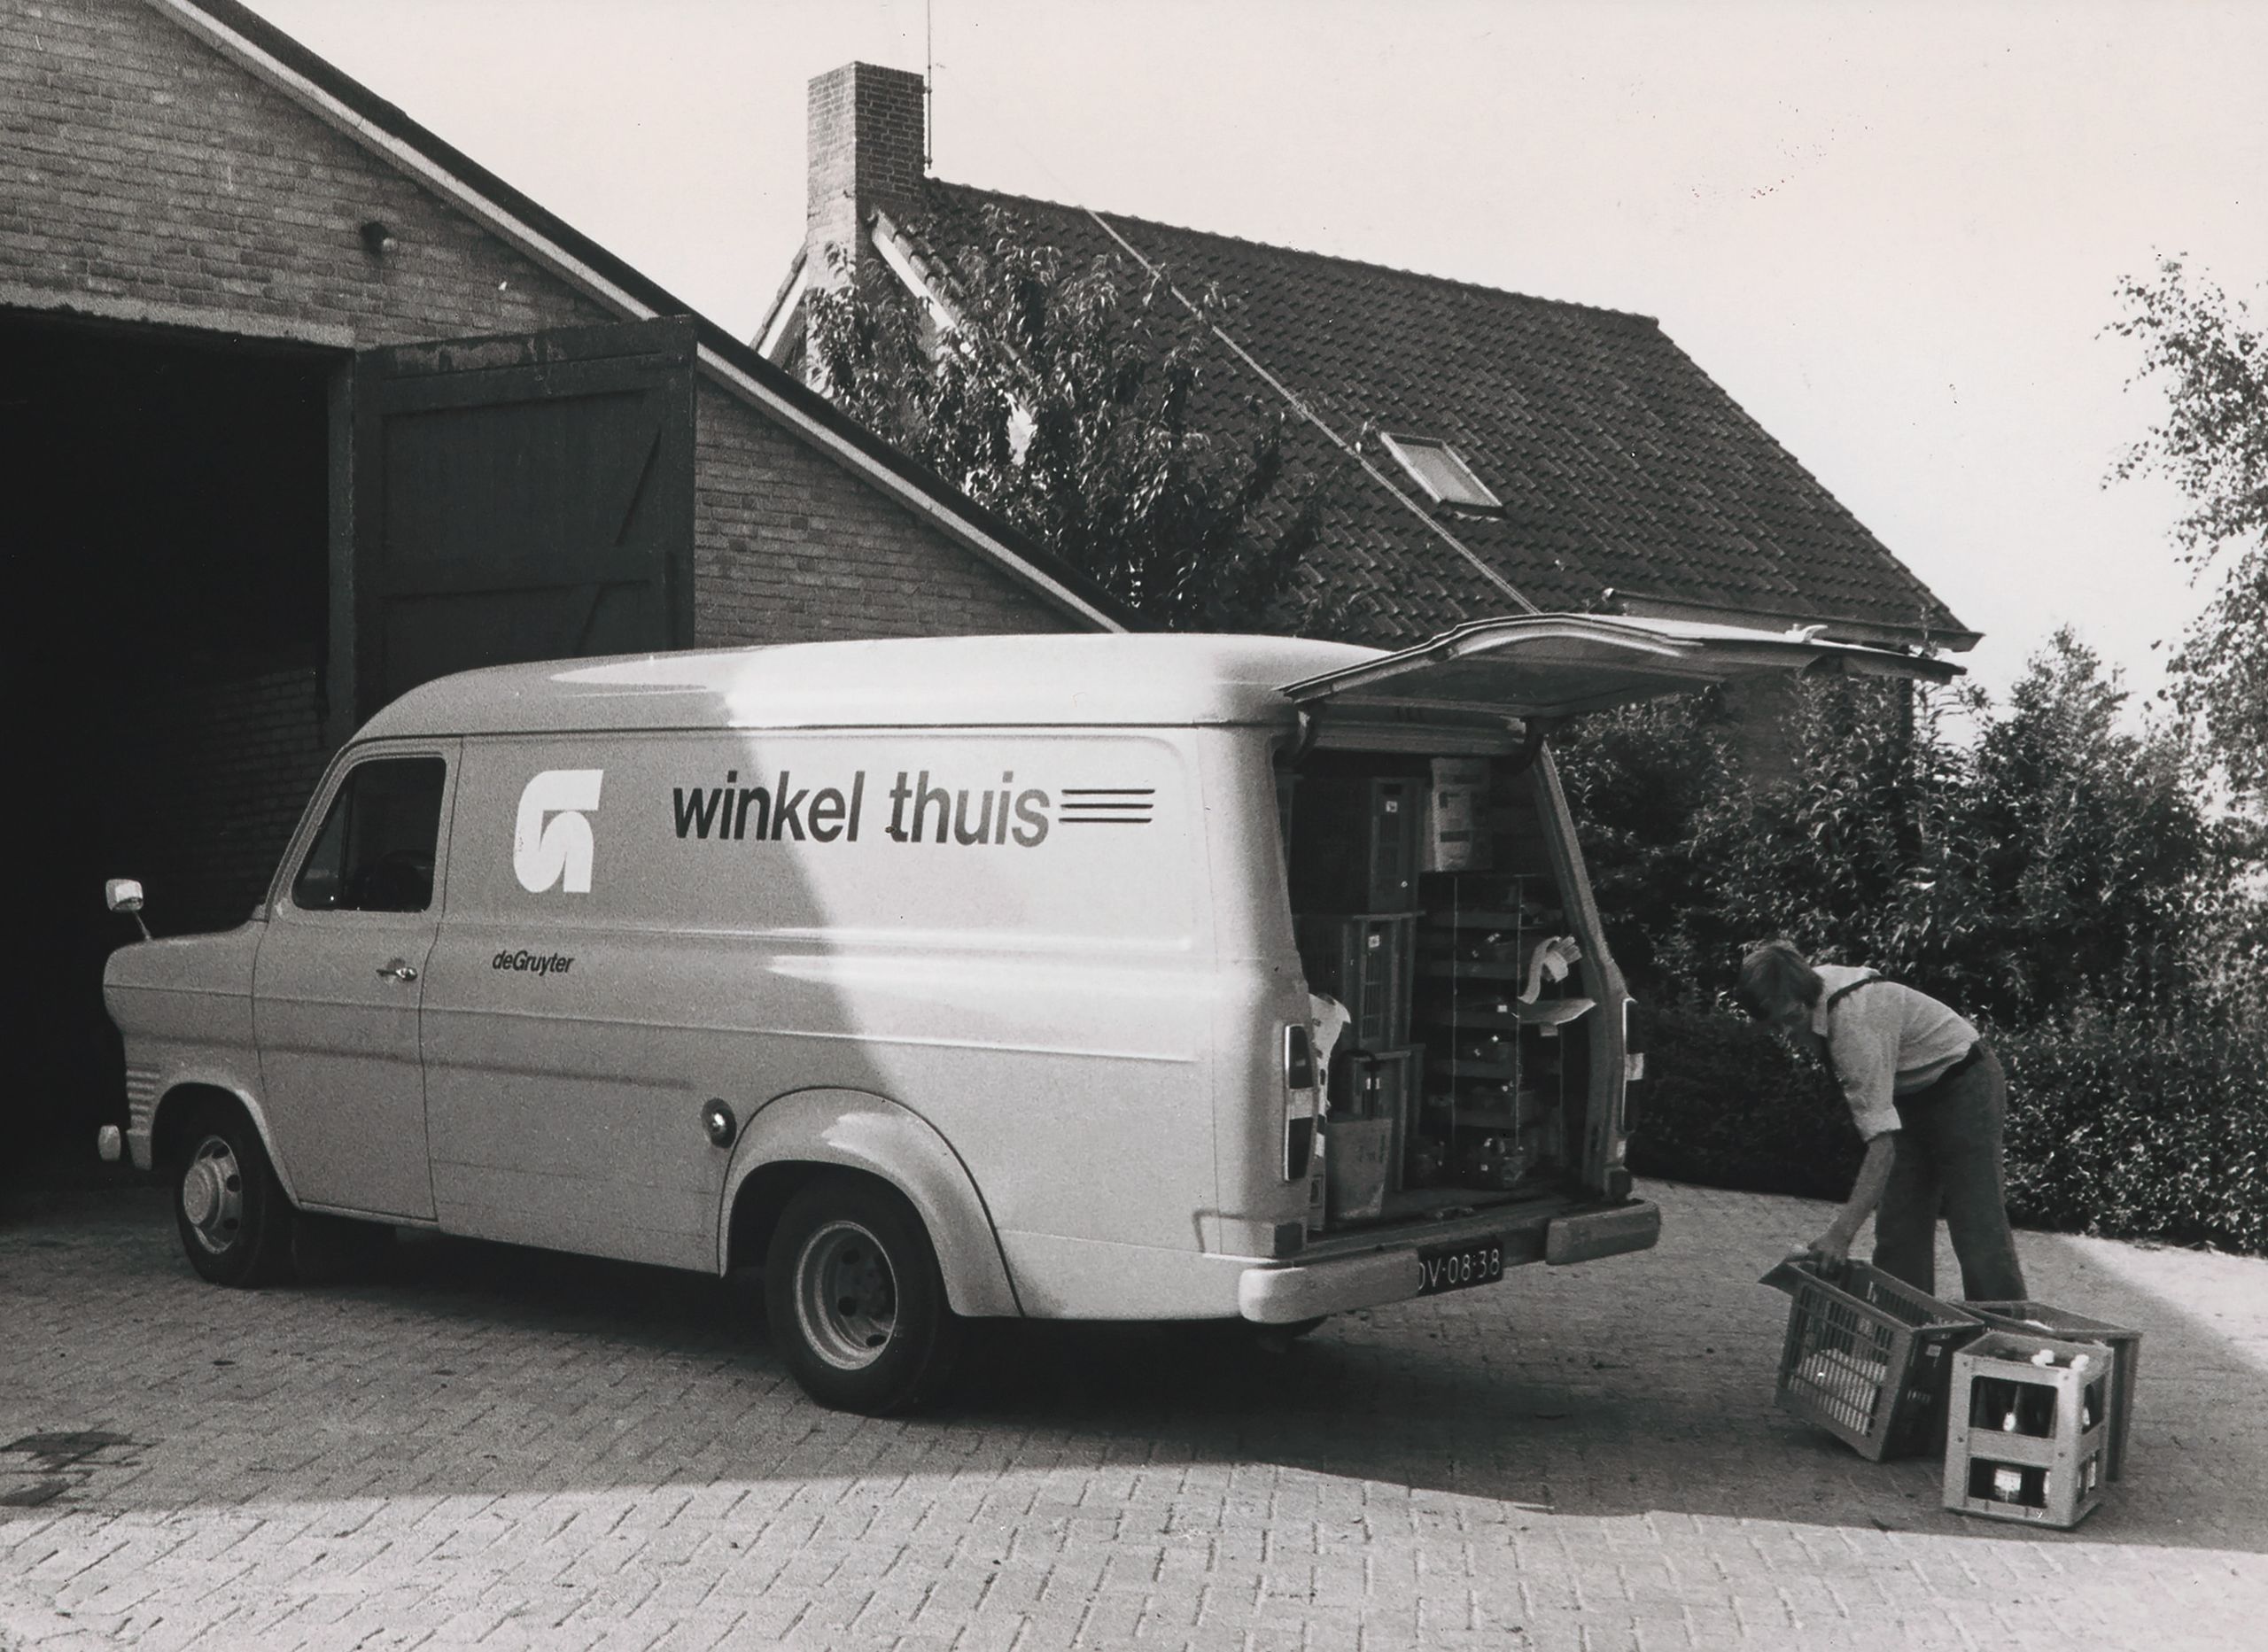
(1480, 498)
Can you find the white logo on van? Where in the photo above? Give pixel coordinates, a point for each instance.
(552, 836)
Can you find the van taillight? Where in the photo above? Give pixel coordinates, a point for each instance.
(1299, 1147)
(1299, 1101)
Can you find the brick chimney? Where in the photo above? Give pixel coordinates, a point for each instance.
(864, 151)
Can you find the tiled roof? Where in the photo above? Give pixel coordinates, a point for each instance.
(1620, 463)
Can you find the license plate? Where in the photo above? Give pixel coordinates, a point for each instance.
(1459, 1267)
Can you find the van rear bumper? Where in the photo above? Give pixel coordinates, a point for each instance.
(1288, 1293)
(1589, 1235)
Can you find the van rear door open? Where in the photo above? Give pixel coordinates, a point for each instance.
(1501, 1098)
(1551, 666)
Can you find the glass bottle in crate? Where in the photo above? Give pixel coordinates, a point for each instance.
(1492, 946)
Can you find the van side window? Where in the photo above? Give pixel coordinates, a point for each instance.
(375, 853)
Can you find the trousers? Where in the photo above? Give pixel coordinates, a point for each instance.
(1947, 1162)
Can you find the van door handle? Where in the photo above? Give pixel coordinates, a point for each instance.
(396, 971)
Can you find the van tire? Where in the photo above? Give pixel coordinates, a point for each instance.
(855, 1300)
(235, 1223)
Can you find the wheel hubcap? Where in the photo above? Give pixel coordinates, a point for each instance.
(846, 1295)
(212, 1195)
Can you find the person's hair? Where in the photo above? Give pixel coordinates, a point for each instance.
(1775, 973)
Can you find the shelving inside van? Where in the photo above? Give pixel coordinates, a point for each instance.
(1424, 899)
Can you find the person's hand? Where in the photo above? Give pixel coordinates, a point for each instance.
(1831, 1250)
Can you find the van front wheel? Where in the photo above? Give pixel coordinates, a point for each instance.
(234, 1221)
(856, 1302)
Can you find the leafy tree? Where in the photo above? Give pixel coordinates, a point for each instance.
(1700, 854)
(2059, 861)
(2087, 848)
(2212, 443)
(1069, 399)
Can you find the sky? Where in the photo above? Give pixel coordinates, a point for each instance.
(1892, 232)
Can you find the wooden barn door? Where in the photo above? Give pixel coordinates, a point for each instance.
(521, 498)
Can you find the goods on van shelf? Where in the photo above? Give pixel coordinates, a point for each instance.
(1357, 1171)
(1493, 984)
(1353, 844)
(1550, 961)
(1364, 960)
(1493, 947)
(1491, 1161)
(1479, 1121)
(1457, 836)
(1553, 1013)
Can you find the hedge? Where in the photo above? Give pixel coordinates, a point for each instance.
(1728, 1103)
(2122, 1129)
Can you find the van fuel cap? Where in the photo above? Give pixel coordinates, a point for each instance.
(717, 1120)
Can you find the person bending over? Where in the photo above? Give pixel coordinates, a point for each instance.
(1930, 1098)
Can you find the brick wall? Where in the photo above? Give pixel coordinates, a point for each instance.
(814, 553)
(142, 165)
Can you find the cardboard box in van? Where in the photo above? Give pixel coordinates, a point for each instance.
(942, 979)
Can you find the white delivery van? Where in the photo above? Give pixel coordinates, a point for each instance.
(944, 980)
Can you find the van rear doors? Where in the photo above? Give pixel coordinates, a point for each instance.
(1551, 666)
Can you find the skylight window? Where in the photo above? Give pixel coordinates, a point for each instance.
(1436, 467)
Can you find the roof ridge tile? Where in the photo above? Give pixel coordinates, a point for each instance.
(1454, 282)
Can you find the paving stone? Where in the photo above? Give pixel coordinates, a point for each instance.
(491, 1447)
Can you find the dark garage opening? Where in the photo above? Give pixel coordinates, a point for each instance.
(166, 561)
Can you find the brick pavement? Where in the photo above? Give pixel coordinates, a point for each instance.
(488, 1447)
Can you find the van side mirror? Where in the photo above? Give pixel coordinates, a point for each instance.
(124, 894)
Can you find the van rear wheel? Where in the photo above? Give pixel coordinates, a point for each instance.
(855, 1298)
(235, 1223)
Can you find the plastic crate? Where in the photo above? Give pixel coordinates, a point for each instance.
(2030, 1429)
(1366, 962)
(1867, 1357)
(2039, 1319)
